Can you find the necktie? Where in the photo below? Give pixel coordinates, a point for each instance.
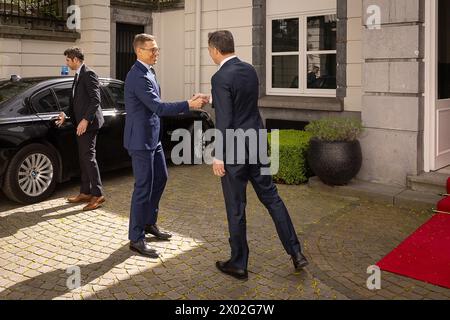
(154, 73)
(74, 84)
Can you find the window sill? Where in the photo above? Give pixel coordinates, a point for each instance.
(301, 103)
(16, 32)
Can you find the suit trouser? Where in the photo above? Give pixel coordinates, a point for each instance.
(234, 186)
(91, 182)
(150, 173)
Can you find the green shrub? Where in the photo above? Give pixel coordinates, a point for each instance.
(293, 167)
(335, 129)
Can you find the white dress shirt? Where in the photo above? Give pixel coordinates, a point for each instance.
(78, 78)
(226, 60)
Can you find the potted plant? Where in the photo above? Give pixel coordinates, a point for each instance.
(335, 153)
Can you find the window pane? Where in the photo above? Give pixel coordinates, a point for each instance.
(285, 72)
(444, 50)
(44, 102)
(117, 93)
(63, 94)
(321, 71)
(322, 33)
(285, 35)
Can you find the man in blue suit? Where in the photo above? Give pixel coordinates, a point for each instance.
(235, 92)
(142, 140)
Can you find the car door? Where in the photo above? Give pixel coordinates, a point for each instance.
(116, 94)
(64, 136)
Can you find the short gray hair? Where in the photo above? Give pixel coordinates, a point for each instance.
(141, 39)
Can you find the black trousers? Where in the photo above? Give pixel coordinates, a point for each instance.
(91, 182)
(234, 186)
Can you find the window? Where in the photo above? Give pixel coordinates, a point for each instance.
(301, 57)
(63, 94)
(44, 102)
(117, 93)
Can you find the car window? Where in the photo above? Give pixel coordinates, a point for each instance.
(117, 93)
(63, 94)
(105, 104)
(44, 102)
(10, 89)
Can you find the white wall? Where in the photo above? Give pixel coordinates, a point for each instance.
(29, 58)
(233, 15)
(286, 7)
(168, 27)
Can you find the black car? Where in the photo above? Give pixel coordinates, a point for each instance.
(35, 154)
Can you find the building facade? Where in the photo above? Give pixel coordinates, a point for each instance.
(385, 62)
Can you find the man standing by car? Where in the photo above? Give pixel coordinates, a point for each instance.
(87, 117)
(142, 139)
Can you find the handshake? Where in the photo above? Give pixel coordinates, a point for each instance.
(198, 101)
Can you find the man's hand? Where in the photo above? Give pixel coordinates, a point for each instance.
(82, 127)
(219, 168)
(198, 101)
(61, 119)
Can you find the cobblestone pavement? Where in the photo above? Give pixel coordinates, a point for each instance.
(341, 236)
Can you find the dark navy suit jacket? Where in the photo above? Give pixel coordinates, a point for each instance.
(144, 108)
(235, 92)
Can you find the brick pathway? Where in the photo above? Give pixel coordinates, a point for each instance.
(342, 237)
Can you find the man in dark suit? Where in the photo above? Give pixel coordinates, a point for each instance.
(142, 140)
(235, 96)
(86, 114)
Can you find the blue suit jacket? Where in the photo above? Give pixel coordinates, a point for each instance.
(235, 92)
(144, 108)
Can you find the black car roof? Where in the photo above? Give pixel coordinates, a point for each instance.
(53, 80)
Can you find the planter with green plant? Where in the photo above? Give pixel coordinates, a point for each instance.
(335, 154)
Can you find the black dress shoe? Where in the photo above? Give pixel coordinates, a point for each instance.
(144, 249)
(299, 261)
(154, 230)
(226, 268)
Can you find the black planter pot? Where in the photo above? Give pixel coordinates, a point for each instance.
(335, 163)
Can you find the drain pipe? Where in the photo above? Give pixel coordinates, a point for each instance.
(198, 44)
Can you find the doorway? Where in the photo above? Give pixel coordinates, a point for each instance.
(437, 86)
(125, 56)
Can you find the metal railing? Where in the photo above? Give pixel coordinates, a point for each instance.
(155, 5)
(35, 14)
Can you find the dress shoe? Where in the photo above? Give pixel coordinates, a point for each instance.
(228, 269)
(95, 203)
(154, 230)
(81, 198)
(144, 249)
(299, 261)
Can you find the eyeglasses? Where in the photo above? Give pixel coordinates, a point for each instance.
(153, 50)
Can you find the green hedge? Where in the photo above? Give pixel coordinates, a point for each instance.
(294, 145)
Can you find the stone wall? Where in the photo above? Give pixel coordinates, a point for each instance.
(393, 80)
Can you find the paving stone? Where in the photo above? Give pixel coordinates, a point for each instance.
(341, 238)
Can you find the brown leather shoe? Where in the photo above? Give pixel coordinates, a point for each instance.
(81, 198)
(96, 202)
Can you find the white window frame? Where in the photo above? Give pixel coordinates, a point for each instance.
(302, 53)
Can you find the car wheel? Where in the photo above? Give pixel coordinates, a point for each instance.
(31, 175)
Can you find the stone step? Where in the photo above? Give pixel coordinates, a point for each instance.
(433, 182)
(400, 197)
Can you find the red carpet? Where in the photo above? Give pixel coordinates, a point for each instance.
(425, 255)
(444, 205)
(448, 185)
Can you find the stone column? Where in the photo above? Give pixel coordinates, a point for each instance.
(95, 37)
(393, 84)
